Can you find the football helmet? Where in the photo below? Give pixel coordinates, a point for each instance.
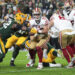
(37, 13)
(18, 18)
(60, 7)
(67, 8)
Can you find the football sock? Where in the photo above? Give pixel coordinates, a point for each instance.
(70, 51)
(32, 53)
(12, 59)
(16, 51)
(40, 53)
(73, 48)
(66, 55)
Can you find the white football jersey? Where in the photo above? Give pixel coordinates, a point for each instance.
(44, 21)
(60, 23)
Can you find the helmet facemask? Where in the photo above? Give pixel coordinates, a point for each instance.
(67, 8)
(37, 14)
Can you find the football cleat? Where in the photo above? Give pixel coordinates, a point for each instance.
(54, 65)
(40, 66)
(12, 63)
(73, 60)
(70, 65)
(30, 64)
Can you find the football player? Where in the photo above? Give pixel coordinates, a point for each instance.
(65, 33)
(6, 29)
(49, 55)
(19, 36)
(38, 37)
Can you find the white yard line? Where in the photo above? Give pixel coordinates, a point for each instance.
(31, 70)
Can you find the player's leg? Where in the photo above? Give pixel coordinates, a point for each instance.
(19, 43)
(2, 50)
(51, 55)
(14, 55)
(10, 41)
(40, 52)
(63, 43)
(32, 53)
(66, 49)
(73, 47)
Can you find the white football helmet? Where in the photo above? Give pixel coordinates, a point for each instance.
(67, 8)
(37, 13)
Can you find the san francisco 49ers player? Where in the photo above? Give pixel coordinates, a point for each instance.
(39, 36)
(65, 33)
(69, 13)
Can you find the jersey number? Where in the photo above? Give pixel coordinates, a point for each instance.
(5, 25)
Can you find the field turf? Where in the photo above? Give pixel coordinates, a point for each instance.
(20, 68)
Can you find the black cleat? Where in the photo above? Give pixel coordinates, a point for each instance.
(12, 63)
(1, 60)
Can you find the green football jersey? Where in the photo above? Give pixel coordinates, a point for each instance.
(20, 33)
(6, 30)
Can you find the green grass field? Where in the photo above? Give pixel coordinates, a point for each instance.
(20, 68)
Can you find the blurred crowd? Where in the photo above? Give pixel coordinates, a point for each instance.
(26, 6)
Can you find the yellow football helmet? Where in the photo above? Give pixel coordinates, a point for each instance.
(18, 18)
(23, 16)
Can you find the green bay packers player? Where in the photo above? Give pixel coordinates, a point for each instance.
(6, 29)
(49, 56)
(19, 37)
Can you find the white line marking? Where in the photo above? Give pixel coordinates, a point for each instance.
(32, 70)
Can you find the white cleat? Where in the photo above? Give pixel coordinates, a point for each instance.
(70, 65)
(55, 65)
(30, 64)
(73, 61)
(40, 66)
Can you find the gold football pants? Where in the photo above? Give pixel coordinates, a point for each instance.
(15, 40)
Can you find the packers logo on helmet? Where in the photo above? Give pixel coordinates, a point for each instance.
(18, 18)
